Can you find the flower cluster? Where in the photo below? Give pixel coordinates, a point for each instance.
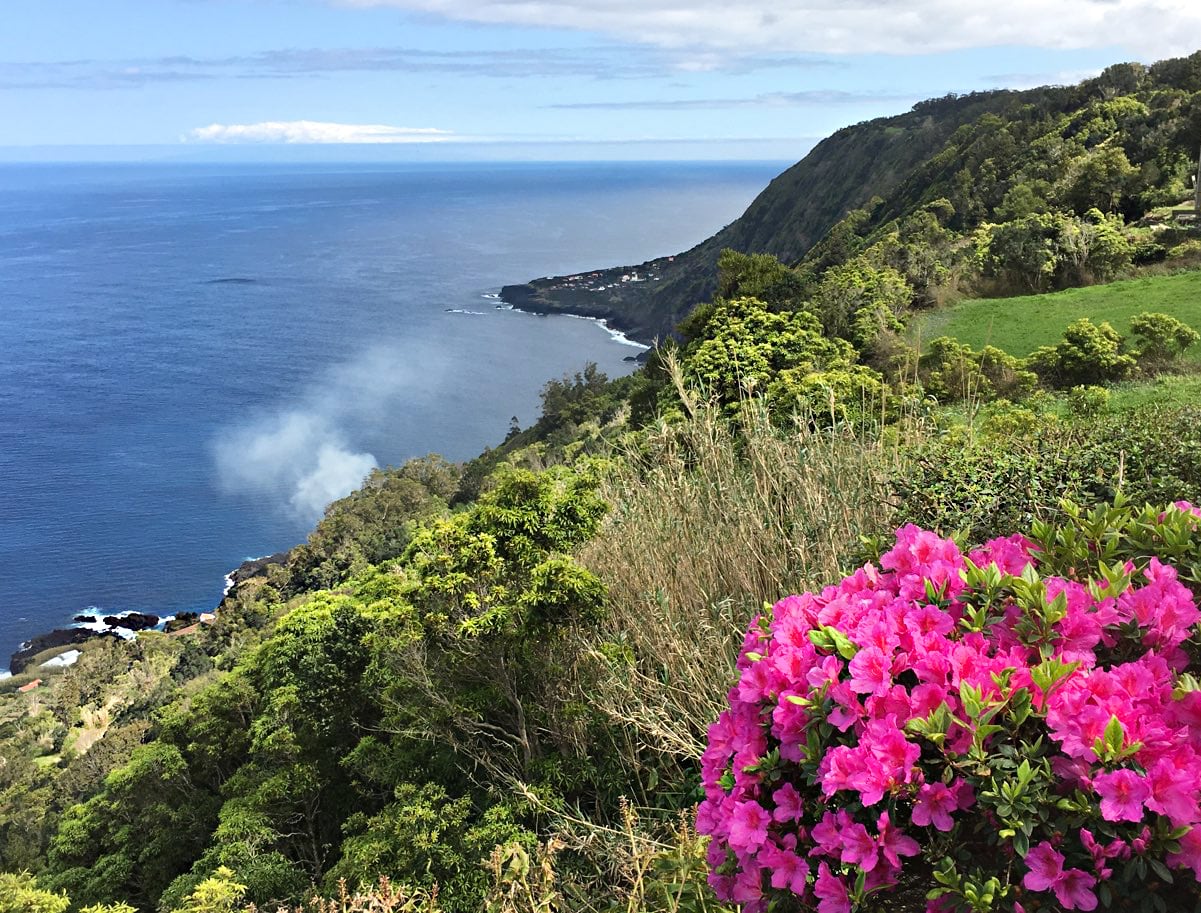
(1011, 733)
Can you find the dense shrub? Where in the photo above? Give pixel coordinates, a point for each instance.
(1161, 338)
(752, 350)
(986, 485)
(1045, 250)
(1088, 354)
(1016, 727)
(953, 372)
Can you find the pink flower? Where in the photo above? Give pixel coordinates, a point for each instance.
(788, 804)
(871, 672)
(831, 892)
(934, 806)
(788, 870)
(840, 731)
(1174, 789)
(1074, 890)
(859, 848)
(1045, 867)
(1011, 554)
(1123, 795)
(1072, 887)
(748, 890)
(748, 826)
(827, 834)
(893, 842)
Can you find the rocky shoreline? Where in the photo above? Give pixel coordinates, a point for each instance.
(132, 622)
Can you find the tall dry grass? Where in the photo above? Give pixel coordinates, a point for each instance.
(707, 524)
(382, 897)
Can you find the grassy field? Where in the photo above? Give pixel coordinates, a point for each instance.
(1166, 390)
(1021, 325)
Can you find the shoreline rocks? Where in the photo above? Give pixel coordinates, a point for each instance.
(132, 621)
(60, 637)
(253, 568)
(129, 621)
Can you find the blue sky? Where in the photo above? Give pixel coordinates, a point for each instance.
(528, 78)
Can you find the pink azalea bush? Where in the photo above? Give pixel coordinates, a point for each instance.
(1016, 728)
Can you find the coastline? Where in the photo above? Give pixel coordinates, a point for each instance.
(621, 337)
(98, 625)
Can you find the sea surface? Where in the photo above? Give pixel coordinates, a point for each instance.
(195, 359)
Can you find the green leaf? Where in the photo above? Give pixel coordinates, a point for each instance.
(1115, 736)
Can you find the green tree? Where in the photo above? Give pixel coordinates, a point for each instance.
(759, 276)
(859, 301)
(21, 894)
(429, 839)
(1099, 180)
(219, 894)
(751, 348)
(129, 841)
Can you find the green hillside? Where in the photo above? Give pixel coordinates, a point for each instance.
(1022, 324)
(843, 172)
(1123, 143)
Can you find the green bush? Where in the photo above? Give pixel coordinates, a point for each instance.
(991, 484)
(1088, 354)
(1088, 401)
(953, 372)
(1160, 338)
(21, 894)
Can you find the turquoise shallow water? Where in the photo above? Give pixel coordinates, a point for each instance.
(194, 359)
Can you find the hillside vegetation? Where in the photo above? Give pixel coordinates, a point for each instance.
(567, 676)
(1124, 143)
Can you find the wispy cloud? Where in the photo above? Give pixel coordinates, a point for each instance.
(1147, 27)
(309, 131)
(1031, 80)
(815, 97)
(601, 63)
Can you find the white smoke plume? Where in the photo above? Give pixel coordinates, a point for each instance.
(302, 456)
(298, 457)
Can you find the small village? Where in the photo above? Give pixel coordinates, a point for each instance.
(605, 279)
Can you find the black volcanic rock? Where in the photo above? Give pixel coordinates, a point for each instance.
(62, 637)
(133, 621)
(255, 567)
(182, 620)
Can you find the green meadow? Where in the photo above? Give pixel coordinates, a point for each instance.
(1020, 325)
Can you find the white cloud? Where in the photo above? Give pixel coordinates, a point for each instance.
(310, 131)
(1148, 28)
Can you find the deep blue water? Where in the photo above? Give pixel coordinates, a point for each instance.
(194, 359)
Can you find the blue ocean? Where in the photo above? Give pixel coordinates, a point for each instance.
(195, 359)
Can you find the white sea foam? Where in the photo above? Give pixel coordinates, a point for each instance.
(4, 673)
(98, 625)
(466, 311)
(229, 578)
(62, 660)
(616, 335)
